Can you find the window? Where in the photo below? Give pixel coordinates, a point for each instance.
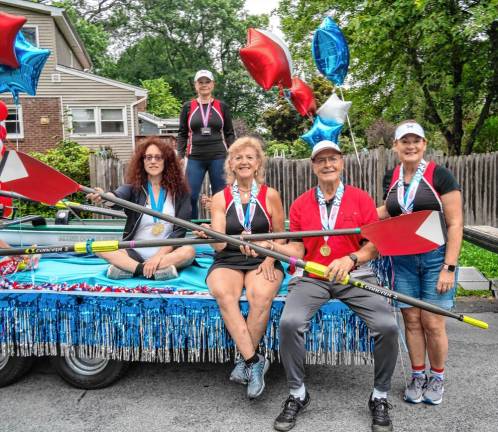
(14, 124)
(30, 33)
(112, 120)
(98, 121)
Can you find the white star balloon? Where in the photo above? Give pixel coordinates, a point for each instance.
(334, 109)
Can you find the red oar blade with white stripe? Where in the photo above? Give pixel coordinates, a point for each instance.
(27, 176)
(409, 234)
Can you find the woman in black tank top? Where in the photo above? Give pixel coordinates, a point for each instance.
(246, 205)
(419, 185)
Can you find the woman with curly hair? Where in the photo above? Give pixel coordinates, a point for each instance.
(154, 179)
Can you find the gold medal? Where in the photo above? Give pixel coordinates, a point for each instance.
(157, 229)
(325, 250)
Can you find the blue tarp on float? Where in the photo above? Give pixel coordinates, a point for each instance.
(68, 304)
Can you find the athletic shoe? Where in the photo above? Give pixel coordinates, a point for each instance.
(379, 408)
(286, 420)
(414, 392)
(256, 377)
(114, 272)
(239, 373)
(166, 273)
(433, 393)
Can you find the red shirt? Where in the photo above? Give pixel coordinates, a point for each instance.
(357, 209)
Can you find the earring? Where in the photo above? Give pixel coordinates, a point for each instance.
(256, 173)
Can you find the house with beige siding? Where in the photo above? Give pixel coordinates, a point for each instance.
(71, 102)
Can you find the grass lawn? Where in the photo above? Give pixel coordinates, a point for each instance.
(485, 261)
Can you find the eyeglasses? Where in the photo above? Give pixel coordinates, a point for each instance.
(149, 158)
(324, 160)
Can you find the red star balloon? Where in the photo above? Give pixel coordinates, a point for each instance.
(4, 112)
(267, 59)
(9, 27)
(302, 97)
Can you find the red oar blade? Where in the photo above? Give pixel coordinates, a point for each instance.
(29, 177)
(408, 234)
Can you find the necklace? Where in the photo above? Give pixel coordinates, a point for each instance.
(245, 193)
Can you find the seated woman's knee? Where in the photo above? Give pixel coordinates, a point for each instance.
(260, 301)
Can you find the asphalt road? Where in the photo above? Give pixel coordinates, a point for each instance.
(187, 397)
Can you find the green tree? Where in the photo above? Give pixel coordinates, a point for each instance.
(92, 32)
(175, 38)
(436, 61)
(160, 101)
(70, 159)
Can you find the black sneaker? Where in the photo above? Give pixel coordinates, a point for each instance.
(381, 422)
(286, 420)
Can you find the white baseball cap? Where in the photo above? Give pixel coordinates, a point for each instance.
(203, 73)
(325, 145)
(409, 128)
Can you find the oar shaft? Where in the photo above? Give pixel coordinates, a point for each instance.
(185, 224)
(112, 245)
(71, 205)
(20, 220)
(412, 301)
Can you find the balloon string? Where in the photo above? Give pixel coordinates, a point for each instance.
(352, 137)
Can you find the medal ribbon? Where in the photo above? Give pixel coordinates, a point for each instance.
(246, 218)
(205, 115)
(328, 221)
(156, 205)
(406, 198)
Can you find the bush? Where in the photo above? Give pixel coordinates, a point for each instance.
(70, 159)
(290, 150)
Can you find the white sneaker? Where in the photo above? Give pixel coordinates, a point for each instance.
(166, 273)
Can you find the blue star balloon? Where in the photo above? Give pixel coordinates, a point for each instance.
(330, 51)
(322, 131)
(25, 77)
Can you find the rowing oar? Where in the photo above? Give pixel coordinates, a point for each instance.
(91, 246)
(34, 219)
(69, 204)
(19, 172)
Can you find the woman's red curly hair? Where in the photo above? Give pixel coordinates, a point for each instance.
(172, 180)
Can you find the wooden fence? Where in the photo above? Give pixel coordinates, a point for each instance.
(477, 174)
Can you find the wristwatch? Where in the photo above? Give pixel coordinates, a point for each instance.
(353, 258)
(449, 268)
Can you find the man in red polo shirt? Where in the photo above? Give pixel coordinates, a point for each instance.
(333, 205)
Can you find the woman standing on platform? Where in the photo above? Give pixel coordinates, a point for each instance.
(246, 205)
(418, 185)
(155, 180)
(205, 133)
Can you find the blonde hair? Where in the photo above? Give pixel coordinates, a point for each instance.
(240, 144)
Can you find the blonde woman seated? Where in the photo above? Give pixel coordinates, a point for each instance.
(246, 205)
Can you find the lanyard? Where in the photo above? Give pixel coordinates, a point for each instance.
(205, 115)
(246, 218)
(156, 205)
(329, 221)
(406, 198)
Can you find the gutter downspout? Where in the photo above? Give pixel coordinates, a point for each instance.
(132, 107)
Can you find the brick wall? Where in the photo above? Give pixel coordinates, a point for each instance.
(42, 122)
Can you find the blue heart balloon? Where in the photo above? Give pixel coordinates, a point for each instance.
(330, 51)
(322, 131)
(25, 77)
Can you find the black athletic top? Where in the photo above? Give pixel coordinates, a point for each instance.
(231, 257)
(428, 192)
(205, 147)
